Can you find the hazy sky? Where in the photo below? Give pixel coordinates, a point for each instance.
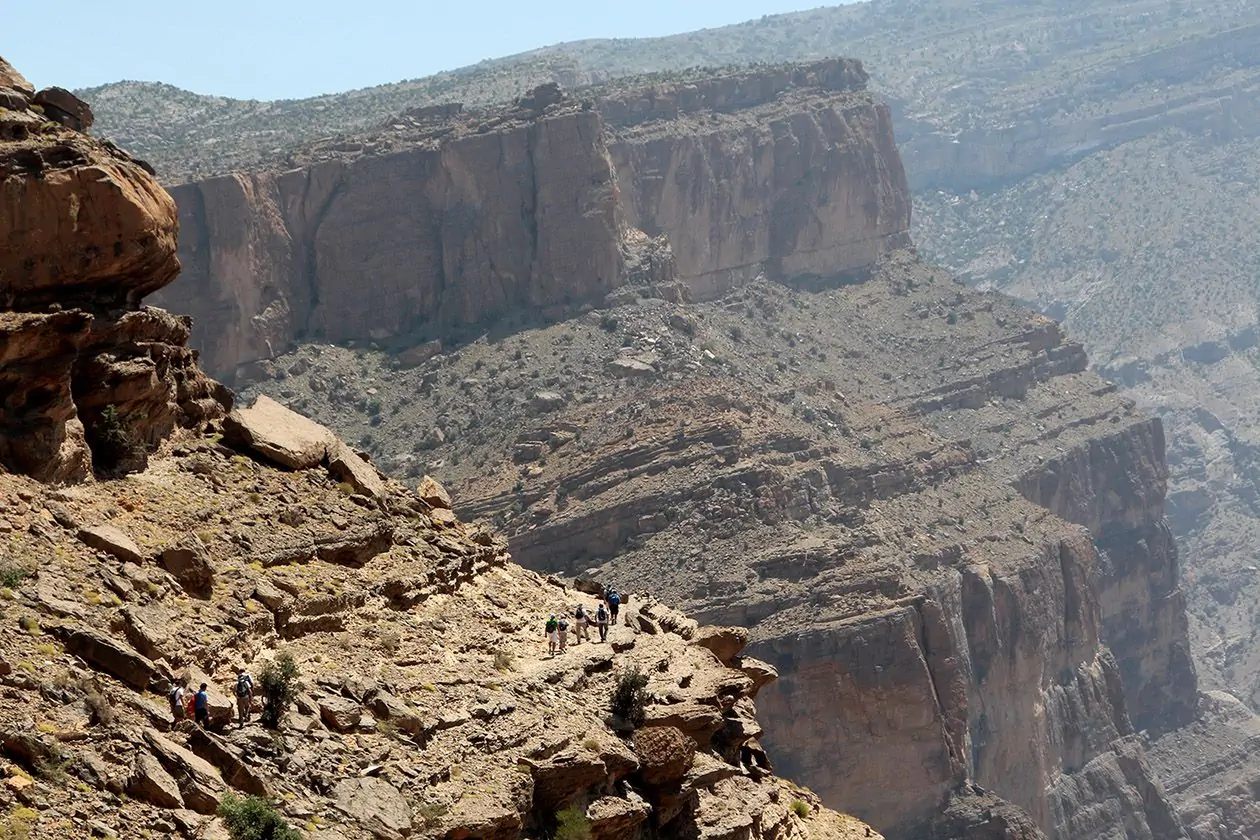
(269, 49)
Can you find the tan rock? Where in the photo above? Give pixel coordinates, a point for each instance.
(346, 465)
(617, 816)
(433, 493)
(189, 562)
(278, 434)
(376, 805)
(11, 78)
(725, 642)
(338, 713)
(665, 754)
(151, 783)
(113, 541)
(110, 655)
(761, 673)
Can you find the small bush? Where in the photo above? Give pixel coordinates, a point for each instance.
(431, 814)
(253, 818)
(801, 808)
(11, 577)
(30, 624)
(110, 441)
(279, 682)
(630, 697)
(18, 824)
(99, 707)
(503, 661)
(572, 824)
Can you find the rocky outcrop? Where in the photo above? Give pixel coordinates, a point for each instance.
(94, 380)
(459, 217)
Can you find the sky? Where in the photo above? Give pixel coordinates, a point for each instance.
(280, 49)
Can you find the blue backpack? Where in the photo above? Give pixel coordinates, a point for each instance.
(614, 600)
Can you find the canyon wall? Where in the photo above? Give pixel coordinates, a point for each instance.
(453, 218)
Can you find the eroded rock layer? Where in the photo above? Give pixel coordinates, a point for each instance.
(91, 379)
(449, 217)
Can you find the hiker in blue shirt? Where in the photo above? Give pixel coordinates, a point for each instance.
(201, 706)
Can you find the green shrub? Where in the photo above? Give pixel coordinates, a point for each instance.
(279, 681)
(801, 808)
(11, 577)
(630, 697)
(110, 441)
(253, 818)
(572, 824)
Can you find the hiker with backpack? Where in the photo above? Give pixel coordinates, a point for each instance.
(614, 604)
(176, 698)
(244, 696)
(201, 706)
(580, 624)
(601, 620)
(553, 635)
(562, 628)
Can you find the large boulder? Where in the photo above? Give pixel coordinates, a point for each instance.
(189, 562)
(151, 783)
(376, 805)
(278, 434)
(199, 782)
(665, 754)
(112, 541)
(63, 106)
(433, 494)
(347, 465)
(110, 655)
(725, 642)
(338, 713)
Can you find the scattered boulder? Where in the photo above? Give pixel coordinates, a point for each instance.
(544, 401)
(339, 714)
(151, 783)
(433, 494)
(377, 805)
(109, 655)
(617, 816)
(665, 754)
(199, 782)
(113, 542)
(528, 451)
(228, 760)
(63, 106)
(420, 354)
(347, 465)
(278, 434)
(631, 367)
(725, 642)
(189, 562)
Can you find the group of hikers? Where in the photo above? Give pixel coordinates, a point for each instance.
(186, 703)
(557, 627)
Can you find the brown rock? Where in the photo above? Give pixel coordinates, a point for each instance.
(699, 721)
(110, 655)
(346, 465)
(151, 783)
(112, 541)
(433, 493)
(199, 783)
(665, 754)
(227, 759)
(617, 816)
(725, 642)
(278, 434)
(64, 107)
(376, 805)
(420, 354)
(10, 77)
(339, 714)
(189, 562)
(761, 673)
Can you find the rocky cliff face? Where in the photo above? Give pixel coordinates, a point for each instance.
(92, 379)
(450, 218)
(943, 532)
(420, 705)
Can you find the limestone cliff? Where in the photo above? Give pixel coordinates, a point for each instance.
(450, 217)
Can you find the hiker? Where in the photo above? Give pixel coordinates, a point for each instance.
(553, 635)
(580, 623)
(201, 706)
(176, 697)
(601, 620)
(244, 696)
(562, 628)
(614, 604)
